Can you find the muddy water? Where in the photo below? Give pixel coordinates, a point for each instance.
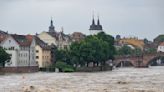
(119, 80)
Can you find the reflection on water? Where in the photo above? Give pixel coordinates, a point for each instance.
(119, 80)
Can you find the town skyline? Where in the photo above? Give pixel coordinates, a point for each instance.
(139, 18)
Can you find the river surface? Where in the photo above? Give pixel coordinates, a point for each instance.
(119, 80)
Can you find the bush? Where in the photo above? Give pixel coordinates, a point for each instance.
(64, 67)
(68, 69)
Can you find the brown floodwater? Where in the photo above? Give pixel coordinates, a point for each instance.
(119, 80)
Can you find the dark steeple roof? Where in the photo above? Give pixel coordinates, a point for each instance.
(99, 26)
(94, 26)
(51, 28)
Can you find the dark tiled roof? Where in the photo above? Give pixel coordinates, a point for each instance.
(57, 35)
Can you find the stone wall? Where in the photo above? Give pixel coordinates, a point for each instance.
(93, 69)
(25, 69)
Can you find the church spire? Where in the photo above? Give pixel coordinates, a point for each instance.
(51, 22)
(98, 21)
(93, 20)
(51, 27)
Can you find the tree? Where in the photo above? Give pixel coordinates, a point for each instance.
(94, 48)
(159, 39)
(125, 50)
(137, 51)
(4, 57)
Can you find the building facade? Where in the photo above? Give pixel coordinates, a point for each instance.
(22, 51)
(161, 47)
(52, 37)
(77, 36)
(132, 42)
(43, 53)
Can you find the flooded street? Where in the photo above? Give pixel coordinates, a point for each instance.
(119, 80)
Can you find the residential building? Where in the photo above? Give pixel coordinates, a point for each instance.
(3, 35)
(159, 39)
(160, 47)
(22, 51)
(43, 53)
(77, 36)
(133, 42)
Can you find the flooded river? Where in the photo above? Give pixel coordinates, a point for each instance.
(119, 80)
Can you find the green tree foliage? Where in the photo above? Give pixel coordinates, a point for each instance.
(126, 50)
(64, 67)
(94, 48)
(4, 57)
(151, 50)
(159, 39)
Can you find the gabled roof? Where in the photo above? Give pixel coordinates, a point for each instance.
(3, 35)
(23, 40)
(41, 43)
(2, 32)
(59, 35)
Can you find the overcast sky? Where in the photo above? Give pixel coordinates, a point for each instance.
(140, 18)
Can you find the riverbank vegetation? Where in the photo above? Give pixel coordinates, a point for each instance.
(4, 57)
(93, 51)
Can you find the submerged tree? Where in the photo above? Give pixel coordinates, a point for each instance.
(4, 57)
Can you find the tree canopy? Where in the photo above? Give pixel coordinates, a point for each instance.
(4, 57)
(94, 48)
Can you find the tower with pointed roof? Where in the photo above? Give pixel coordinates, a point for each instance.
(51, 27)
(95, 28)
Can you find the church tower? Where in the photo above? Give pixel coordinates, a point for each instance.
(95, 29)
(51, 27)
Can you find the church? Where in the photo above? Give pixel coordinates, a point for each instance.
(95, 28)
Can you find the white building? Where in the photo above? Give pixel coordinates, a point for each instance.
(95, 29)
(22, 51)
(161, 47)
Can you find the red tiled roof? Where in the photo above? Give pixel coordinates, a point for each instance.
(23, 40)
(3, 35)
(161, 44)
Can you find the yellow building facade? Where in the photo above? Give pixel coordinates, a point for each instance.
(43, 54)
(132, 41)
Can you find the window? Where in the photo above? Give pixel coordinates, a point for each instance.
(37, 51)
(37, 57)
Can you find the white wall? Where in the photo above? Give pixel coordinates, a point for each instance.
(95, 32)
(160, 49)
